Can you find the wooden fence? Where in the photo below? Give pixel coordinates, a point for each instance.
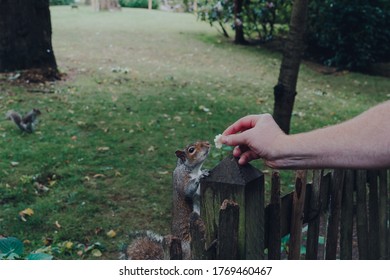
(337, 214)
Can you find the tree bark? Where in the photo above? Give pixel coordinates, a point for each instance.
(25, 36)
(285, 90)
(238, 24)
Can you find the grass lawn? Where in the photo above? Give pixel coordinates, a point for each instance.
(140, 84)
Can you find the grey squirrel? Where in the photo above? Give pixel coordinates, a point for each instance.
(186, 178)
(26, 123)
(186, 191)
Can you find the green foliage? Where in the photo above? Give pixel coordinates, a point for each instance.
(258, 17)
(61, 2)
(138, 3)
(349, 34)
(12, 248)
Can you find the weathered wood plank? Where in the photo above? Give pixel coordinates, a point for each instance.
(197, 231)
(297, 216)
(274, 236)
(314, 214)
(361, 214)
(227, 248)
(334, 214)
(373, 214)
(172, 248)
(346, 227)
(383, 215)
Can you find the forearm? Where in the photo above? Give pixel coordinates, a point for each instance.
(362, 142)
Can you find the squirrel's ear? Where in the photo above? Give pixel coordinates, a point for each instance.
(181, 155)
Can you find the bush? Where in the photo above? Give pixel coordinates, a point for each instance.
(258, 17)
(138, 4)
(348, 34)
(61, 2)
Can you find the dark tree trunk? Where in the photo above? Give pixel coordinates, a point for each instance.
(25, 36)
(285, 90)
(238, 24)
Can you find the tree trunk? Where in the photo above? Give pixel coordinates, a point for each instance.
(285, 90)
(106, 5)
(238, 24)
(25, 36)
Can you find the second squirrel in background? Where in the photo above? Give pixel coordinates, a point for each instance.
(26, 123)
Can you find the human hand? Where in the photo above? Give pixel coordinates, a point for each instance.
(255, 136)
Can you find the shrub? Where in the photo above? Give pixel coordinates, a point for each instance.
(348, 34)
(258, 17)
(138, 4)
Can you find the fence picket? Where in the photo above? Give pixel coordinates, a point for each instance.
(274, 236)
(346, 227)
(383, 214)
(361, 214)
(334, 214)
(297, 216)
(314, 217)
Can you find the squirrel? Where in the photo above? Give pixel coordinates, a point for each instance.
(186, 192)
(26, 123)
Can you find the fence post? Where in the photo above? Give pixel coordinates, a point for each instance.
(245, 186)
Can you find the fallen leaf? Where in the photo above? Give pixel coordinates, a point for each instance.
(151, 149)
(99, 176)
(177, 118)
(103, 149)
(40, 187)
(204, 108)
(111, 233)
(14, 163)
(69, 245)
(57, 224)
(80, 253)
(48, 241)
(96, 253)
(24, 213)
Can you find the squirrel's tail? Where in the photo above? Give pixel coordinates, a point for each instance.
(147, 246)
(16, 118)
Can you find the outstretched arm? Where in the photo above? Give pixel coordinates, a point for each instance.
(362, 142)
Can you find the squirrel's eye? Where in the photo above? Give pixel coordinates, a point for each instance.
(191, 150)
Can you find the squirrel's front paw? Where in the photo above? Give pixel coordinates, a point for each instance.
(205, 173)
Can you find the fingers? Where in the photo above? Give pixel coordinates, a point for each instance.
(242, 124)
(244, 154)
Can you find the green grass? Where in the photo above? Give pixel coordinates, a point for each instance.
(137, 83)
